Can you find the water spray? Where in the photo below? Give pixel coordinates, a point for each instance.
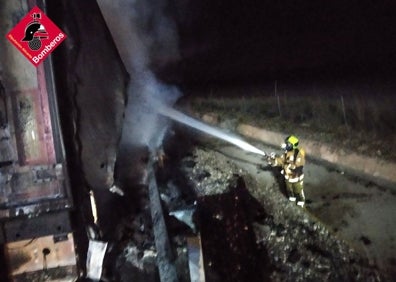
(216, 132)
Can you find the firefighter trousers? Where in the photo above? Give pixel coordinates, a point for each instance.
(295, 190)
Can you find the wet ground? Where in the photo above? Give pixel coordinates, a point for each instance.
(347, 208)
(250, 232)
(246, 224)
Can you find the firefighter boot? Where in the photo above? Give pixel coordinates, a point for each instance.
(301, 199)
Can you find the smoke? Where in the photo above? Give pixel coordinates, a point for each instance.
(143, 33)
(142, 124)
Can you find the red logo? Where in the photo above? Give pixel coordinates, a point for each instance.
(36, 36)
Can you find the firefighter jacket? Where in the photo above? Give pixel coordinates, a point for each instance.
(292, 163)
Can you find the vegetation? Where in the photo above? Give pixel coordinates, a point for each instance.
(359, 124)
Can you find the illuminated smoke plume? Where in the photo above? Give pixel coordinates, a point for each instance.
(141, 32)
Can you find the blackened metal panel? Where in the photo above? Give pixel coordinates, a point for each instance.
(32, 167)
(46, 224)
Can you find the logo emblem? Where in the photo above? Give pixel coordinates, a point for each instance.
(36, 36)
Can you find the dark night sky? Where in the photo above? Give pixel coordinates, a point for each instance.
(223, 41)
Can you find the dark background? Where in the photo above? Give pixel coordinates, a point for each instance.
(254, 41)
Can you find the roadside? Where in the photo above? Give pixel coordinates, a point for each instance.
(368, 132)
(354, 208)
(364, 154)
(358, 212)
(370, 168)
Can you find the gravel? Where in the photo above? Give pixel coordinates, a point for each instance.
(292, 244)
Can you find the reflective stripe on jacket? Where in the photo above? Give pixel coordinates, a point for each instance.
(292, 163)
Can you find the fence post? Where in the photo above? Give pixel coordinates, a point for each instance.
(343, 111)
(277, 98)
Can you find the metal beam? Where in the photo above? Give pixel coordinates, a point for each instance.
(166, 267)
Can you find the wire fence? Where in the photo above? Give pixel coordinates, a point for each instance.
(323, 106)
(354, 108)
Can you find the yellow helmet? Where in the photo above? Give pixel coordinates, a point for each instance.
(291, 142)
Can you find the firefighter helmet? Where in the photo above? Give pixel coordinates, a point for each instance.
(291, 142)
(31, 30)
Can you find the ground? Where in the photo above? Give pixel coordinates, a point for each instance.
(345, 233)
(358, 212)
(316, 243)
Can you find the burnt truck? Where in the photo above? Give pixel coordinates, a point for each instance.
(36, 236)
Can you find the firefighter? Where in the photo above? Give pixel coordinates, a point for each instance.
(292, 163)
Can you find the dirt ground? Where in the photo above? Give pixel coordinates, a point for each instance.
(357, 211)
(251, 232)
(352, 210)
